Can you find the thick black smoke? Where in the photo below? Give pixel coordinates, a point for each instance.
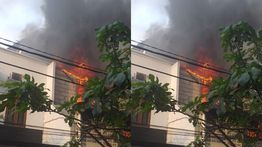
(194, 25)
(70, 26)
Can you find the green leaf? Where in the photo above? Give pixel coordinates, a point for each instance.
(41, 85)
(244, 78)
(256, 73)
(27, 77)
(151, 77)
(3, 105)
(120, 78)
(87, 94)
(221, 110)
(97, 109)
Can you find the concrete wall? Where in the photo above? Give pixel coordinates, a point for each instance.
(154, 63)
(39, 119)
(183, 133)
(166, 119)
(26, 62)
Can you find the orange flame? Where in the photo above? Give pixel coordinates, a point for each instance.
(126, 134)
(81, 77)
(254, 134)
(206, 77)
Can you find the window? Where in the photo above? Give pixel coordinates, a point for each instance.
(187, 90)
(11, 117)
(15, 76)
(140, 76)
(63, 90)
(141, 118)
(15, 118)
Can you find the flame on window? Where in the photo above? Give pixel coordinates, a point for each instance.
(206, 76)
(81, 77)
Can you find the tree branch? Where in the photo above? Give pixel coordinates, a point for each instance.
(212, 123)
(84, 122)
(220, 139)
(227, 138)
(92, 136)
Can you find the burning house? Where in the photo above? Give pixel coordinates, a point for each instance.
(30, 129)
(41, 128)
(200, 77)
(77, 75)
(64, 91)
(69, 32)
(163, 128)
(193, 32)
(188, 82)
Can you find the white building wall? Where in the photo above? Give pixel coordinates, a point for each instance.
(177, 121)
(36, 120)
(160, 118)
(54, 120)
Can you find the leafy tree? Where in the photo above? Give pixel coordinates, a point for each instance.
(105, 99)
(234, 103)
(109, 101)
(233, 107)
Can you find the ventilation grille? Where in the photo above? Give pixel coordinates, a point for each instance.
(140, 76)
(15, 76)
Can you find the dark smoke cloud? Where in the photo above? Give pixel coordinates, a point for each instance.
(193, 29)
(70, 26)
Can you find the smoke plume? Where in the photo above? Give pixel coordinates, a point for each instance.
(70, 27)
(194, 25)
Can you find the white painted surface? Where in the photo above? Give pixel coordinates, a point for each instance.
(53, 120)
(160, 118)
(183, 133)
(39, 119)
(179, 135)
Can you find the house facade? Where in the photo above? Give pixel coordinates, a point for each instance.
(164, 127)
(36, 128)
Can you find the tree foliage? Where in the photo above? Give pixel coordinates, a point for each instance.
(234, 103)
(25, 95)
(109, 101)
(151, 95)
(105, 99)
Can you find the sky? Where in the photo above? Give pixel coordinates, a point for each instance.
(15, 15)
(143, 15)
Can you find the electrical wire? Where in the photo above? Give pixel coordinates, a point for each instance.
(77, 83)
(46, 130)
(182, 60)
(96, 71)
(54, 77)
(38, 50)
(184, 57)
(163, 127)
(46, 74)
(189, 80)
(34, 126)
(70, 133)
(51, 58)
(73, 62)
(42, 73)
